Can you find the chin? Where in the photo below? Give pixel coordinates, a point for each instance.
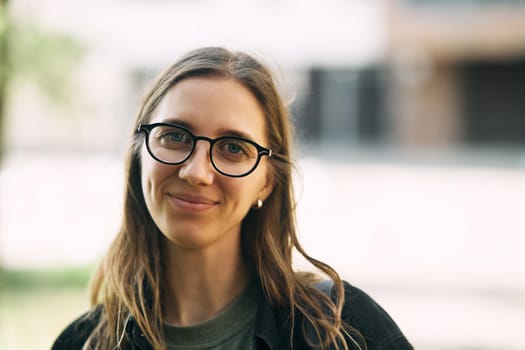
(189, 239)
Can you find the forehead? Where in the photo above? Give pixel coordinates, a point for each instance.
(213, 107)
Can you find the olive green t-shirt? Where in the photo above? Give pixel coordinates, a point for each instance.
(232, 328)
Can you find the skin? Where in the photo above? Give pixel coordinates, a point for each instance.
(198, 210)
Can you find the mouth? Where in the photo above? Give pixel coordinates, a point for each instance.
(191, 203)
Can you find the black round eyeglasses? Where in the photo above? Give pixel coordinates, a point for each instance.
(230, 155)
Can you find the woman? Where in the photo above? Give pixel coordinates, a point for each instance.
(203, 259)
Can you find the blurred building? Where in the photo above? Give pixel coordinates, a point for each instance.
(129, 41)
(459, 71)
(398, 72)
(453, 73)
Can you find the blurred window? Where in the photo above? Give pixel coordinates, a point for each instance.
(494, 101)
(343, 105)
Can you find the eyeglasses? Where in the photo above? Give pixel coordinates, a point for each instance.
(230, 155)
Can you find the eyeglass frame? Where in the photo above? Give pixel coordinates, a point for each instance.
(261, 151)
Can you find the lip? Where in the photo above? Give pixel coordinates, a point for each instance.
(191, 202)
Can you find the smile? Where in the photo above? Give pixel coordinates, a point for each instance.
(191, 203)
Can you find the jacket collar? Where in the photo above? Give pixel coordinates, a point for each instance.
(272, 331)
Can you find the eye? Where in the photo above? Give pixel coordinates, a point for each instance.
(235, 149)
(171, 137)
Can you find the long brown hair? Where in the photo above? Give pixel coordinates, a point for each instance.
(128, 282)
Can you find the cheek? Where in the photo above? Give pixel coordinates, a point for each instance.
(249, 191)
(264, 179)
(152, 174)
(146, 171)
(146, 185)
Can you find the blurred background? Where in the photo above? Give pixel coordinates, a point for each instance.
(411, 148)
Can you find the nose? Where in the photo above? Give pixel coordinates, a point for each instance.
(197, 170)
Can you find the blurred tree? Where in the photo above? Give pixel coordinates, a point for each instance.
(3, 69)
(27, 52)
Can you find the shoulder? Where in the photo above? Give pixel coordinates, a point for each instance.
(376, 326)
(77, 332)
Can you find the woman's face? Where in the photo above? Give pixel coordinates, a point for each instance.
(192, 204)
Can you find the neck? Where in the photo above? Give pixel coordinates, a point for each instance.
(202, 282)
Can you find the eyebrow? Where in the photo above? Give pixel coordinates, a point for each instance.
(221, 132)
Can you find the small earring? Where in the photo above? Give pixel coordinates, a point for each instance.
(259, 203)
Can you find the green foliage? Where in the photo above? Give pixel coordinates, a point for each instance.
(31, 279)
(45, 58)
(31, 319)
(30, 53)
